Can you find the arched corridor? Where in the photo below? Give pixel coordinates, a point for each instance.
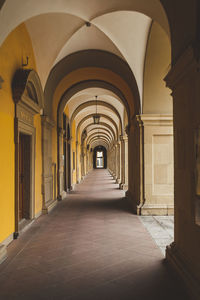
(89, 247)
(89, 87)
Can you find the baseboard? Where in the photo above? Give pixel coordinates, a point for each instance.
(131, 201)
(156, 210)
(123, 186)
(73, 187)
(3, 253)
(49, 206)
(38, 214)
(8, 240)
(178, 263)
(3, 247)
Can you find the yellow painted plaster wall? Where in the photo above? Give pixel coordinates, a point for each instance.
(156, 97)
(15, 47)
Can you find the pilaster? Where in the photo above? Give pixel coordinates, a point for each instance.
(47, 177)
(184, 81)
(156, 164)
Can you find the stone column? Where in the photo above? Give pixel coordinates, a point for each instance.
(82, 162)
(125, 186)
(61, 192)
(184, 81)
(115, 162)
(47, 177)
(124, 162)
(77, 162)
(122, 152)
(109, 160)
(118, 162)
(131, 146)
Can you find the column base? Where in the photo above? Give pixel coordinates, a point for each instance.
(3, 253)
(118, 181)
(131, 201)
(73, 187)
(178, 263)
(49, 206)
(62, 196)
(123, 186)
(156, 210)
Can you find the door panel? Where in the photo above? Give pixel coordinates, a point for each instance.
(24, 176)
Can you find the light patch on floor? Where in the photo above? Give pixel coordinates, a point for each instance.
(161, 229)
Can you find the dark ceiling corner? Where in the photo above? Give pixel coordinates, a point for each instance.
(2, 3)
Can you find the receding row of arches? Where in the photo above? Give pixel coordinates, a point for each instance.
(61, 66)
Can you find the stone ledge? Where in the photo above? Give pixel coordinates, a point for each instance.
(3, 253)
(156, 210)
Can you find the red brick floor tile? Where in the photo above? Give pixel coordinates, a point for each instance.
(89, 247)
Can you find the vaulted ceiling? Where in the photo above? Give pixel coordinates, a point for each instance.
(63, 27)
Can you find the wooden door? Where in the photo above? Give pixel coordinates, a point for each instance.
(24, 176)
(21, 176)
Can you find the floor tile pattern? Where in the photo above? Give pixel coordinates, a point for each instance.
(90, 247)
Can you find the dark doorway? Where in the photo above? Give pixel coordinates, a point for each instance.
(100, 158)
(24, 176)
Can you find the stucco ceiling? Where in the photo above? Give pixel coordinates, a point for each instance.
(58, 29)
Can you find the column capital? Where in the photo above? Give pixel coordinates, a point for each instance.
(155, 120)
(47, 122)
(123, 138)
(70, 140)
(131, 125)
(186, 63)
(61, 132)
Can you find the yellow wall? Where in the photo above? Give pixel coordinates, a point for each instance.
(156, 97)
(16, 46)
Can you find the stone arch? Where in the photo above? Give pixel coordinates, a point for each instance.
(101, 130)
(95, 59)
(103, 115)
(100, 103)
(107, 126)
(101, 134)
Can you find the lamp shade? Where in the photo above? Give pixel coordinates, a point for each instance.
(96, 119)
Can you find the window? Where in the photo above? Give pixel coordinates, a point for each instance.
(99, 159)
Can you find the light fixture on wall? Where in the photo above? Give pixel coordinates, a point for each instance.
(96, 116)
(25, 64)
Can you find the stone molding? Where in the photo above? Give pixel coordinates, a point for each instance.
(47, 122)
(186, 63)
(3, 253)
(155, 120)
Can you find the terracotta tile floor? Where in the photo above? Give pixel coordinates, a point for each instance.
(90, 247)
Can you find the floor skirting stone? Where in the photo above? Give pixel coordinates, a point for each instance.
(3, 253)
